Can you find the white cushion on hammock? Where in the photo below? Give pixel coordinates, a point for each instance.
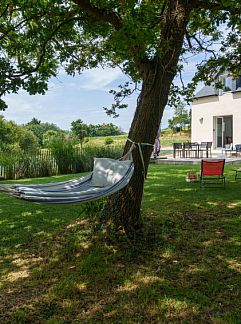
(107, 172)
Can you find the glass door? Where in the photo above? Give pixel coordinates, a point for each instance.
(220, 130)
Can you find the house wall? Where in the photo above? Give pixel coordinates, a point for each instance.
(203, 112)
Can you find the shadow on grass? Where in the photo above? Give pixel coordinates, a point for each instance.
(185, 267)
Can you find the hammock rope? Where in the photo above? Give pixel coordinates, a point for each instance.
(139, 146)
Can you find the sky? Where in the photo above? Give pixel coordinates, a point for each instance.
(80, 97)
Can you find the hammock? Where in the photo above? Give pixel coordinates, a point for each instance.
(107, 177)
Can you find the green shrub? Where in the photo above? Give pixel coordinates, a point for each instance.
(109, 141)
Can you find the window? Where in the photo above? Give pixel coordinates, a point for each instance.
(238, 83)
(227, 83)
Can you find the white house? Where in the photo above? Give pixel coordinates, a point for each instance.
(216, 114)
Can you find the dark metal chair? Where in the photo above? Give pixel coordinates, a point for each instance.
(191, 150)
(177, 149)
(238, 149)
(205, 147)
(195, 149)
(212, 174)
(187, 147)
(209, 149)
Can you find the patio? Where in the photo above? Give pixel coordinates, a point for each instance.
(167, 157)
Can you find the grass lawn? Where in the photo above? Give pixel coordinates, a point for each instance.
(167, 139)
(185, 268)
(100, 140)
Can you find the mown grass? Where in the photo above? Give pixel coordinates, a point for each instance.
(185, 267)
(100, 140)
(167, 139)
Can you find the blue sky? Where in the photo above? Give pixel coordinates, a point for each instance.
(80, 97)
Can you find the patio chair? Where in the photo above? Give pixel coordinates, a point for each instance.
(209, 147)
(177, 150)
(203, 148)
(238, 149)
(228, 149)
(212, 174)
(191, 150)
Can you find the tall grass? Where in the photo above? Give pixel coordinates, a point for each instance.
(7, 163)
(64, 154)
(26, 165)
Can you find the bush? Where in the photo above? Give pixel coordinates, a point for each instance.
(109, 141)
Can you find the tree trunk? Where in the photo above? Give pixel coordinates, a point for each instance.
(157, 75)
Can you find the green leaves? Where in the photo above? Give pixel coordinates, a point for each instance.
(39, 37)
(124, 91)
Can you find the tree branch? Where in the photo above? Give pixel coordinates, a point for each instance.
(188, 38)
(200, 44)
(100, 14)
(43, 52)
(4, 11)
(20, 24)
(216, 6)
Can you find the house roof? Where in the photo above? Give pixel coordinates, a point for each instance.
(206, 91)
(211, 90)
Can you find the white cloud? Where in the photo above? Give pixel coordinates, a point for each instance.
(70, 98)
(23, 104)
(98, 79)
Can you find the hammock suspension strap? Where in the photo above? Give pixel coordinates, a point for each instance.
(139, 146)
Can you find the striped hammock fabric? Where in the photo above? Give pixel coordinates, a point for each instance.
(107, 177)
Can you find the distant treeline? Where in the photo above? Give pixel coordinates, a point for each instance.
(31, 136)
(39, 149)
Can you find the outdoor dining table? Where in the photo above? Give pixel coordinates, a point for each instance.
(192, 149)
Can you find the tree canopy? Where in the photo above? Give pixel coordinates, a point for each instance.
(39, 38)
(81, 130)
(16, 137)
(39, 129)
(180, 119)
(148, 39)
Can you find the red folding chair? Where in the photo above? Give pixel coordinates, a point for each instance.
(212, 174)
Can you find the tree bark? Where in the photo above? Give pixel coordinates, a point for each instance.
(157, 75)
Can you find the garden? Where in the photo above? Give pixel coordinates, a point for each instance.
(63, 264)
(58, 266)
(38, 149)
